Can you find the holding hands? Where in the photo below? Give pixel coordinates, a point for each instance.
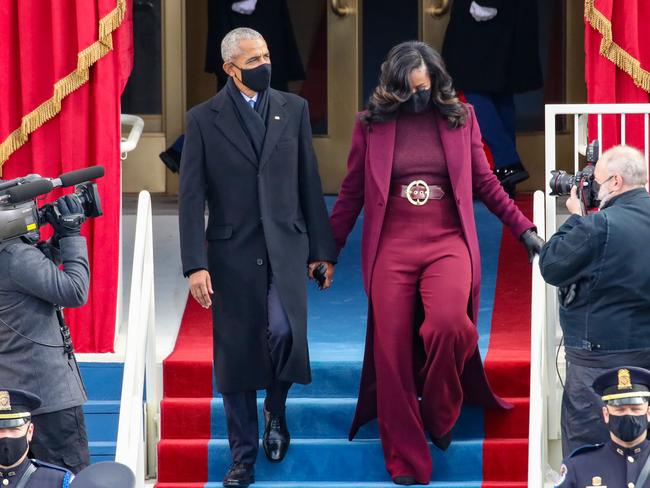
(322, 272)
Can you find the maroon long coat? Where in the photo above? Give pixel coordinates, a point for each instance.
(366, 186)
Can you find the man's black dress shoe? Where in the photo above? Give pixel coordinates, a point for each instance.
(404, 480)
(443, 442)
(276, 436)
(240, 474)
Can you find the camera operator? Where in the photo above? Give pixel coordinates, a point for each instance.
(601, 266)
(35, 351)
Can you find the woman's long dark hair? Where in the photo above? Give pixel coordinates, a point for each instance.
(395, 88)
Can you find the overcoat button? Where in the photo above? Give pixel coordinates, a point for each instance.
(260, 261)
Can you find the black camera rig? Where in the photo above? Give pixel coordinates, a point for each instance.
(19, 211)
(561, 182)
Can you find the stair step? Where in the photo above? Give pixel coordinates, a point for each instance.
(102, 418)
(348, 484)
(325, 460)
(325, 418)
(102, 451)
(331, 378)
(103, 381)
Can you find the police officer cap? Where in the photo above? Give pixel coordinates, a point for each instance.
(624, 386)
(16, 407)
(104, 475)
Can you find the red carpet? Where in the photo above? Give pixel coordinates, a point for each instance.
(508, 362)
(187, 384)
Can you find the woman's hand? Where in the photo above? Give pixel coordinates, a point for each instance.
(532, 242)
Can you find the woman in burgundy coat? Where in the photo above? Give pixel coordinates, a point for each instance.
(416, 161)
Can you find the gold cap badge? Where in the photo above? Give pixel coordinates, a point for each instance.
(5, 401)
(624, 381)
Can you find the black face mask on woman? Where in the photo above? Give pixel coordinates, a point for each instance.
(12, 449)
(628, 427)
(419, 102)
(257, 79)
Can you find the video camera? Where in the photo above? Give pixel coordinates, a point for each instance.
(19, 212)
(561, 181)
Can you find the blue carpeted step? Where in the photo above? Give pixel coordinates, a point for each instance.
(102, 417)
(349, 484)
(330, 418)
(103, 381)
(101, 451)
(340, 460)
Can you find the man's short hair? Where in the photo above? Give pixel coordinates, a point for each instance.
(230, 45)
(628, 162)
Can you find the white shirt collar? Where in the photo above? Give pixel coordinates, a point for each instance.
(248, 99)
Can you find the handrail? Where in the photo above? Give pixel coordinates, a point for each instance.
(137, 126)
(140, 354)
(537, 432)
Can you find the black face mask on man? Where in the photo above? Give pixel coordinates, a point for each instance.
(628, 427)
(419, 102)
(12, 449)
(257, 79)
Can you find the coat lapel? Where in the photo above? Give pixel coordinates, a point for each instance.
(278, 119)
(454, 149)
(381, 150)
(227, 122)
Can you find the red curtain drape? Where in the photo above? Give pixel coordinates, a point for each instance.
(617, 63)
(64, 65)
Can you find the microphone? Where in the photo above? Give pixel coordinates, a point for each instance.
(29, 191)
(72, 178)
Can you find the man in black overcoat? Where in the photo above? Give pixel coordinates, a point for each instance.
(271, 19)
(491, 50)
(248, 152)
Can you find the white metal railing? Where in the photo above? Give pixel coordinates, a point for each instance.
(537, 429)
(136, 418)
(127, 144)
(545, 387)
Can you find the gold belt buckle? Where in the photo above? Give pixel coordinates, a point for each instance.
(417, 192)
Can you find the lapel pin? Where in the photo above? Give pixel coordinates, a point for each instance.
(277, 117)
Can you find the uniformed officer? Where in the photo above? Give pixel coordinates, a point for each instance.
(622, 461)
(16, 431)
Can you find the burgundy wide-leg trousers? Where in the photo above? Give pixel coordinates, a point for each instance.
(421, 250)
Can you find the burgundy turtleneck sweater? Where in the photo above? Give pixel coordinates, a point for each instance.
(418, 150)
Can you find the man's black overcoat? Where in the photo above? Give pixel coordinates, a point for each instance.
(500, 55)
(263, 215)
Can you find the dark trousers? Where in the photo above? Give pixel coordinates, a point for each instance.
(496, 118)
(422, 251)
(241, 407)
(582, 409)
(60, 438)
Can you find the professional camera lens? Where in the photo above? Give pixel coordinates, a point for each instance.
(561, 183)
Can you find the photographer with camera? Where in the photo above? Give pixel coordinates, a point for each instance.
(35, 347)
(599, 263)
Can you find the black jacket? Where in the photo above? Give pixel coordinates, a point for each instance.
(606, 255)
(500, 55)
(271, 19)
(32, 357)
(263, 215)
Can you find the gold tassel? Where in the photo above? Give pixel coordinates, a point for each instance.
(612, 51)
(65, 86)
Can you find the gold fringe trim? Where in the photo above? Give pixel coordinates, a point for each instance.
(613, 51)
(65, 86)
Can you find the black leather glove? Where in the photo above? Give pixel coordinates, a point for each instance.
(66, 216)
(532, 242)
